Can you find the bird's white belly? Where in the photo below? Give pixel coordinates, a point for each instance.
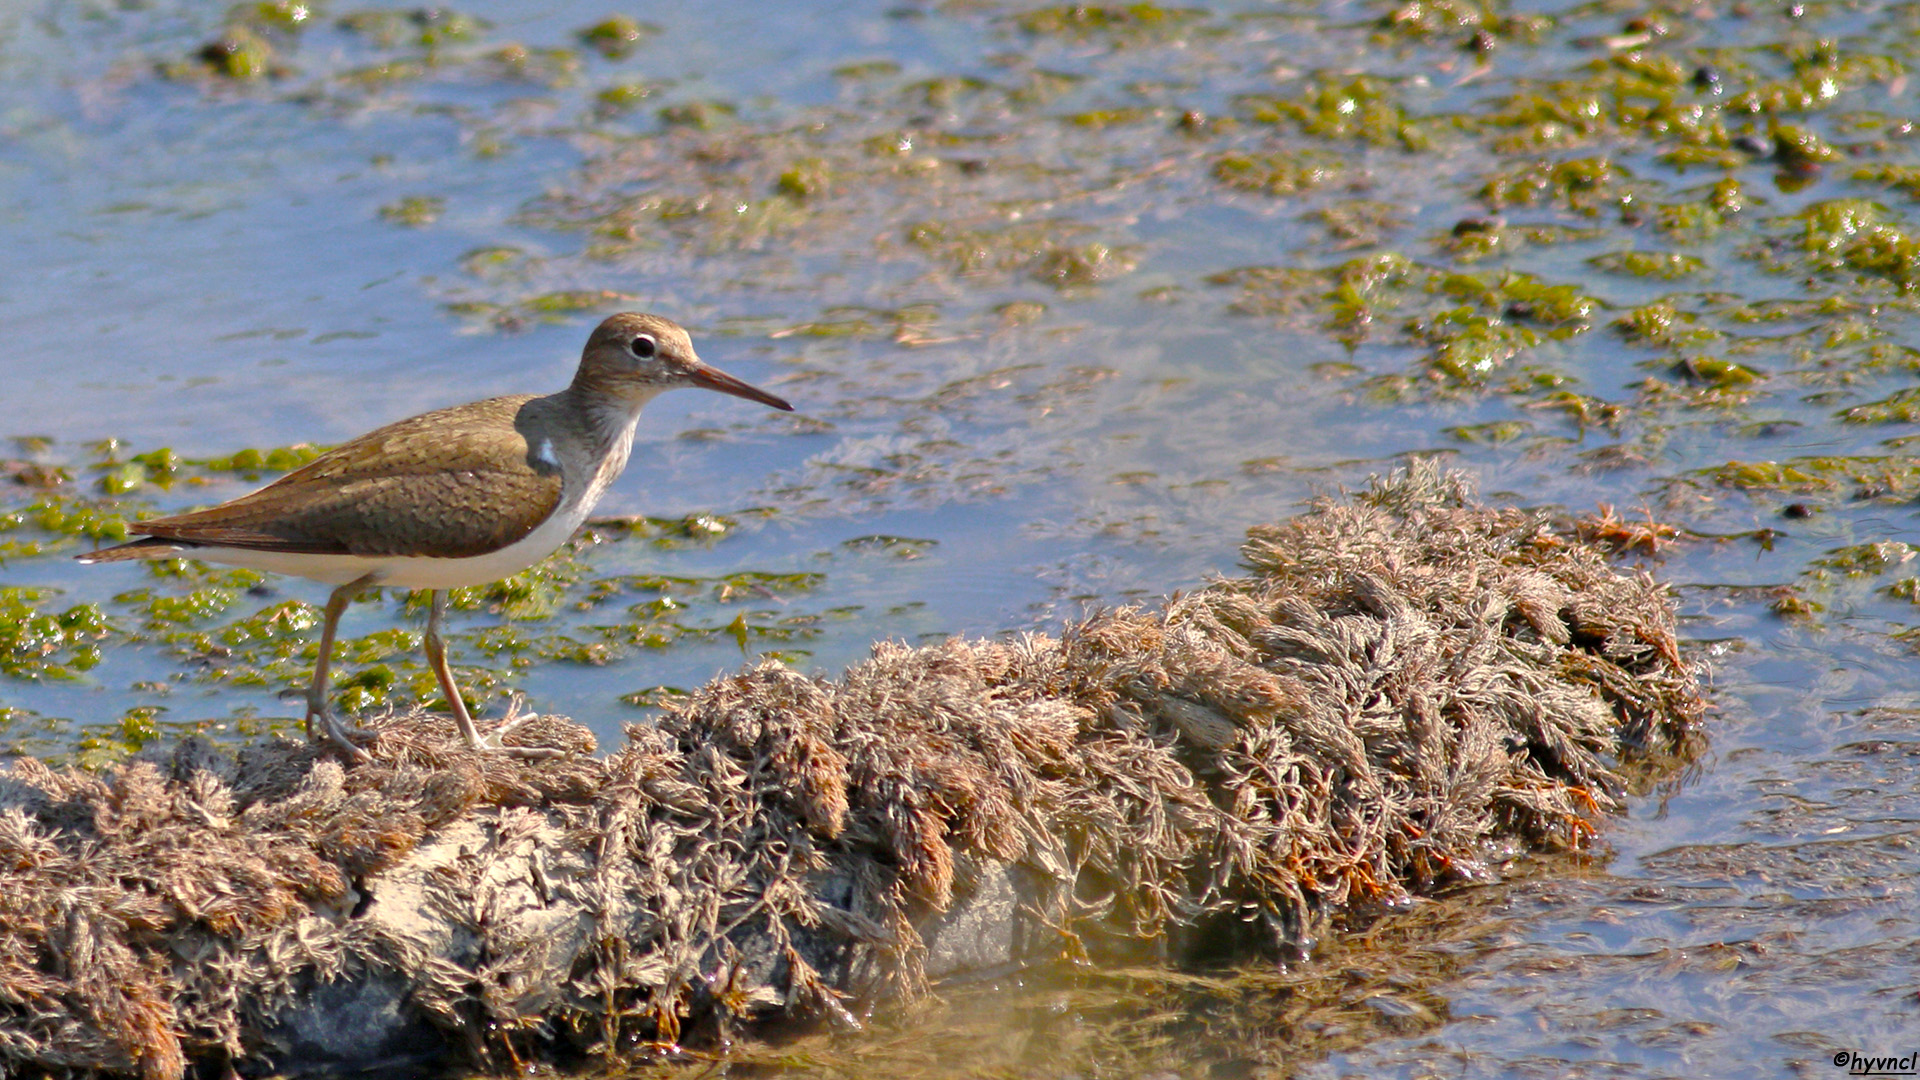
(412, 571)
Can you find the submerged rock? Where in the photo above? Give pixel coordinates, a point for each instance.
(1403, 683)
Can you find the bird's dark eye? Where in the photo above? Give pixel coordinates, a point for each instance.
(644, 347)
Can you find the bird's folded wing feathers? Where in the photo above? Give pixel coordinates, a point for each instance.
(450, 484)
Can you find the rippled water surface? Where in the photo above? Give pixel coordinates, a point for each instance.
(1066, 298)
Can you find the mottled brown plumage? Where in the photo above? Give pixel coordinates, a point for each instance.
(459, 496)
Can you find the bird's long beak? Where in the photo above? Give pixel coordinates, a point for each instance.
(708, 377)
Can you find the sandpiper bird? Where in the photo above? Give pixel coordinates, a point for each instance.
(457, 497)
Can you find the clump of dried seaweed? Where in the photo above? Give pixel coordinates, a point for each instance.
(167, 908)
(1403, 682)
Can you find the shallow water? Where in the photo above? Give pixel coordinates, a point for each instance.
(1026, 274)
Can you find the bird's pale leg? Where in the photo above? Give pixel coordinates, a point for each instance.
(317, 690)
(437, 659)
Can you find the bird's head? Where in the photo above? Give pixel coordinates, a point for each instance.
(633, 356)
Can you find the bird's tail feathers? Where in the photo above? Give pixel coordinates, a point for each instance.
(153, 547)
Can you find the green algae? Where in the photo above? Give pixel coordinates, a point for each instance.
(1102, 118)
(239, 54)
(860, 322)
(38, 642)
(1841, 579)
(1041, 250)
(1424, 20)
(286, 16)
(1715, 372)
(162, 610)
(900, 547)
(1662, 324)
(1864, 476)
(672, 533)
(1080, 265)
(1465, 346)
(699, 115)
(1664, 265)
(427, 27)
(67, 516)
(119, 474)
(1588, 186)
(621, 98)
(1124, 21)
(568, 301)
(806, 178)
(1276, 174)
(1864, 560)
(1900, 407)
(1480, 189)
(1649, 88)
(616, 37)
(1341, 107)
(415, 211)
(867, 69)
(1492, 433)
(250, 46)
(549, 67)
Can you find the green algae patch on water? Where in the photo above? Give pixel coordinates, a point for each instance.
(621, 98)
(1594, 139)
(1277, 174)
(1114, 22)
(1865, 476)
(251, 463)
(250, 46)
(1842, 583)
(39, 641)
(429, 28)
(240, 54)
(617, 36)
(1901, 407)
(67, 516)
(1466, 346)
(551, 68)
(1665, 265)
(1339, 108)
(415, 211)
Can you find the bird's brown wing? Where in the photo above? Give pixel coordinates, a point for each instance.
(447, 484)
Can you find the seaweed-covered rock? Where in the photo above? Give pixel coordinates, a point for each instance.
(1403, 683)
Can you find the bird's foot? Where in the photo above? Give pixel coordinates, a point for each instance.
(490, 742)
(492, 745)
(337, 733)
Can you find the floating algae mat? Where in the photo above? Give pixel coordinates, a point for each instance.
(1406, 690)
